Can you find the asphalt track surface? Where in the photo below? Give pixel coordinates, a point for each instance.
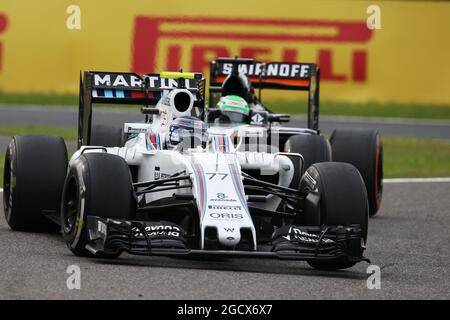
(408, 240)
(67, 117)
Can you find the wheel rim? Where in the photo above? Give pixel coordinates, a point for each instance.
(70, 205)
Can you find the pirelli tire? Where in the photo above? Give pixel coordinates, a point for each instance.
(363, 148)
(313, 148)
(106, 136)
(97, 184)
(34, 171)
(335, 195)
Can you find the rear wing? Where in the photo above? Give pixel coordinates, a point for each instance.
(130, 88)
(271, 75)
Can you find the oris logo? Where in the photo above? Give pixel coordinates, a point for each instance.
(227, 216)
(162, 43)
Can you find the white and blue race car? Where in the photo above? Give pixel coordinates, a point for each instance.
(172, 186)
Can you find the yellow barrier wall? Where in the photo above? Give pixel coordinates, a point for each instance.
(408, 60)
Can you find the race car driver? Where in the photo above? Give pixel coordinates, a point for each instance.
(233, 109)
(186, 132)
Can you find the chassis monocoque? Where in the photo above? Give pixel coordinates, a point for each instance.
(144, 199)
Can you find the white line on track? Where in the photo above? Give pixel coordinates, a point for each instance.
(1, 190)
(413, 180)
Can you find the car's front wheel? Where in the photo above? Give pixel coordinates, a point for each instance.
(97, 184)
(342, 200)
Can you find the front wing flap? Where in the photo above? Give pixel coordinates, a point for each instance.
(112, 236)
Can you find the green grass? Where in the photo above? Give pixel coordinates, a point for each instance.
(416, 158)
(69, 134)
(371, 109)
(39, 99)
(403, 157)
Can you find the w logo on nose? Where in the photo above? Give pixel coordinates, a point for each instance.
(229, 229)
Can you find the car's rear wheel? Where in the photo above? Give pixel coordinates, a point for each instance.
(106, 136)
(313, 148)
(33, 178)
(97, 184)
(342, 200)
(364, 149)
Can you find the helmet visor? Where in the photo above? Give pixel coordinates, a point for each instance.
(229, 116)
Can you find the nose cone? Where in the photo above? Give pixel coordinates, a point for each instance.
(229, 236)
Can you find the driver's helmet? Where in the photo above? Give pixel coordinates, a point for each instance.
(238, 85)
(234, 109)
(186, 132)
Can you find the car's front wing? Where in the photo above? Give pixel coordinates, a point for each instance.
(112, 236)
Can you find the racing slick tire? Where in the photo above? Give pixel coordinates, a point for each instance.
(97, 184)
(106, 136)
(313, 148)
(33, 178)
(342, 201)
(364, 149)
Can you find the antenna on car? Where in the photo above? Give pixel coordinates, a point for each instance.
(235, 70)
